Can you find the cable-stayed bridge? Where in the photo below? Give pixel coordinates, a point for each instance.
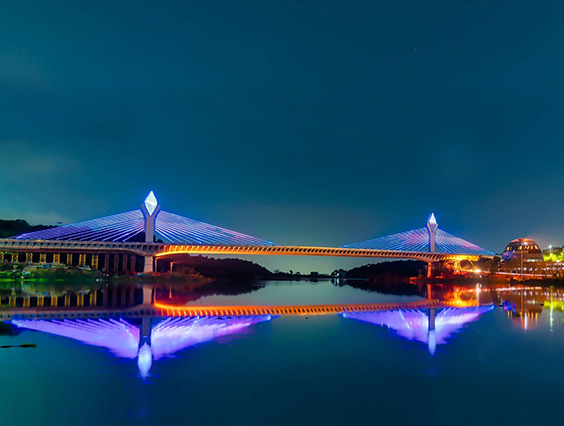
(114, 243)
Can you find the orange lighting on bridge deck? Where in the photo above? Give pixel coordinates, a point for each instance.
(192, 311)
(167, 250)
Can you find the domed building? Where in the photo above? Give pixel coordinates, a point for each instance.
(523, 246)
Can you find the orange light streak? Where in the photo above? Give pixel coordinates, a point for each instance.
(300, 310)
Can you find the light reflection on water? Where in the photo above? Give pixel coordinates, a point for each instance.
(417, 325)
(323, 369)
(300, 293)
(149, 341)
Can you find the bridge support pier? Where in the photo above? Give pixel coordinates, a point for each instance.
(131, 296)
(431, 319)
(132, 264)
(430, 270)
(147, 295)
(124, 263)
(116, 264)
(148, 267)
(107, 263)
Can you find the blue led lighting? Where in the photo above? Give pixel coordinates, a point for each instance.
(172, 228)
(414, 324)
(417, 240)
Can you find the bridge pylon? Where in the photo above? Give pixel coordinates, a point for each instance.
(432, 227)
(150, 209)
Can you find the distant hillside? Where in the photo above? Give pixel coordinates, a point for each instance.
(9, 228)
(387, 271)
(217, 269)
(183, 295)
(386, 277)
(399, 288)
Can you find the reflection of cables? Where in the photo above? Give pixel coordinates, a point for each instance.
(125, 340)
(414, 324)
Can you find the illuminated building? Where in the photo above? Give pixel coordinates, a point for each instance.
(525, 247)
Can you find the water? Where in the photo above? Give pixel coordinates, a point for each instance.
(298, 293)
(494, 369)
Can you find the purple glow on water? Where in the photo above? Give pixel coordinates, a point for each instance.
(123, 339)
(144, 360)
(414, 325)
(174, 334)
(120, 337)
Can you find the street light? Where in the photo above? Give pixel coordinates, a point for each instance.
(524, 243)
(170, 284)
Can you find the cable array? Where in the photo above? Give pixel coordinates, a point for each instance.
(123, 227)
(417, 240)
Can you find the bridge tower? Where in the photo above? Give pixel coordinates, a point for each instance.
(150, 209)
(432, 227)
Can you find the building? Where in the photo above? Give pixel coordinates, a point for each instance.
(525, 247)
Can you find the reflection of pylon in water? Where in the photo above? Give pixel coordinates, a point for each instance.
(146, 343)
(430, 327)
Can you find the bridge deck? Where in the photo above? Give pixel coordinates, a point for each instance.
(160, 250)
(163, 310)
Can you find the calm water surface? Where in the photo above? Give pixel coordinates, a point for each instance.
(486, 368)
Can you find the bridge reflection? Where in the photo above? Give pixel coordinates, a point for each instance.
(132, 322)
(147, 341)
(430, 328)
(151, 337)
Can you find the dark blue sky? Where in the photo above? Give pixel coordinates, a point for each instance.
(304, 122)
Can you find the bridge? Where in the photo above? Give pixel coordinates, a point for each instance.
(132, 241)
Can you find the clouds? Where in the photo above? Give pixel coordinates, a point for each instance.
(286, 109)
(26, 162)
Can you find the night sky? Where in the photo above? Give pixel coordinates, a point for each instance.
(302, 122)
